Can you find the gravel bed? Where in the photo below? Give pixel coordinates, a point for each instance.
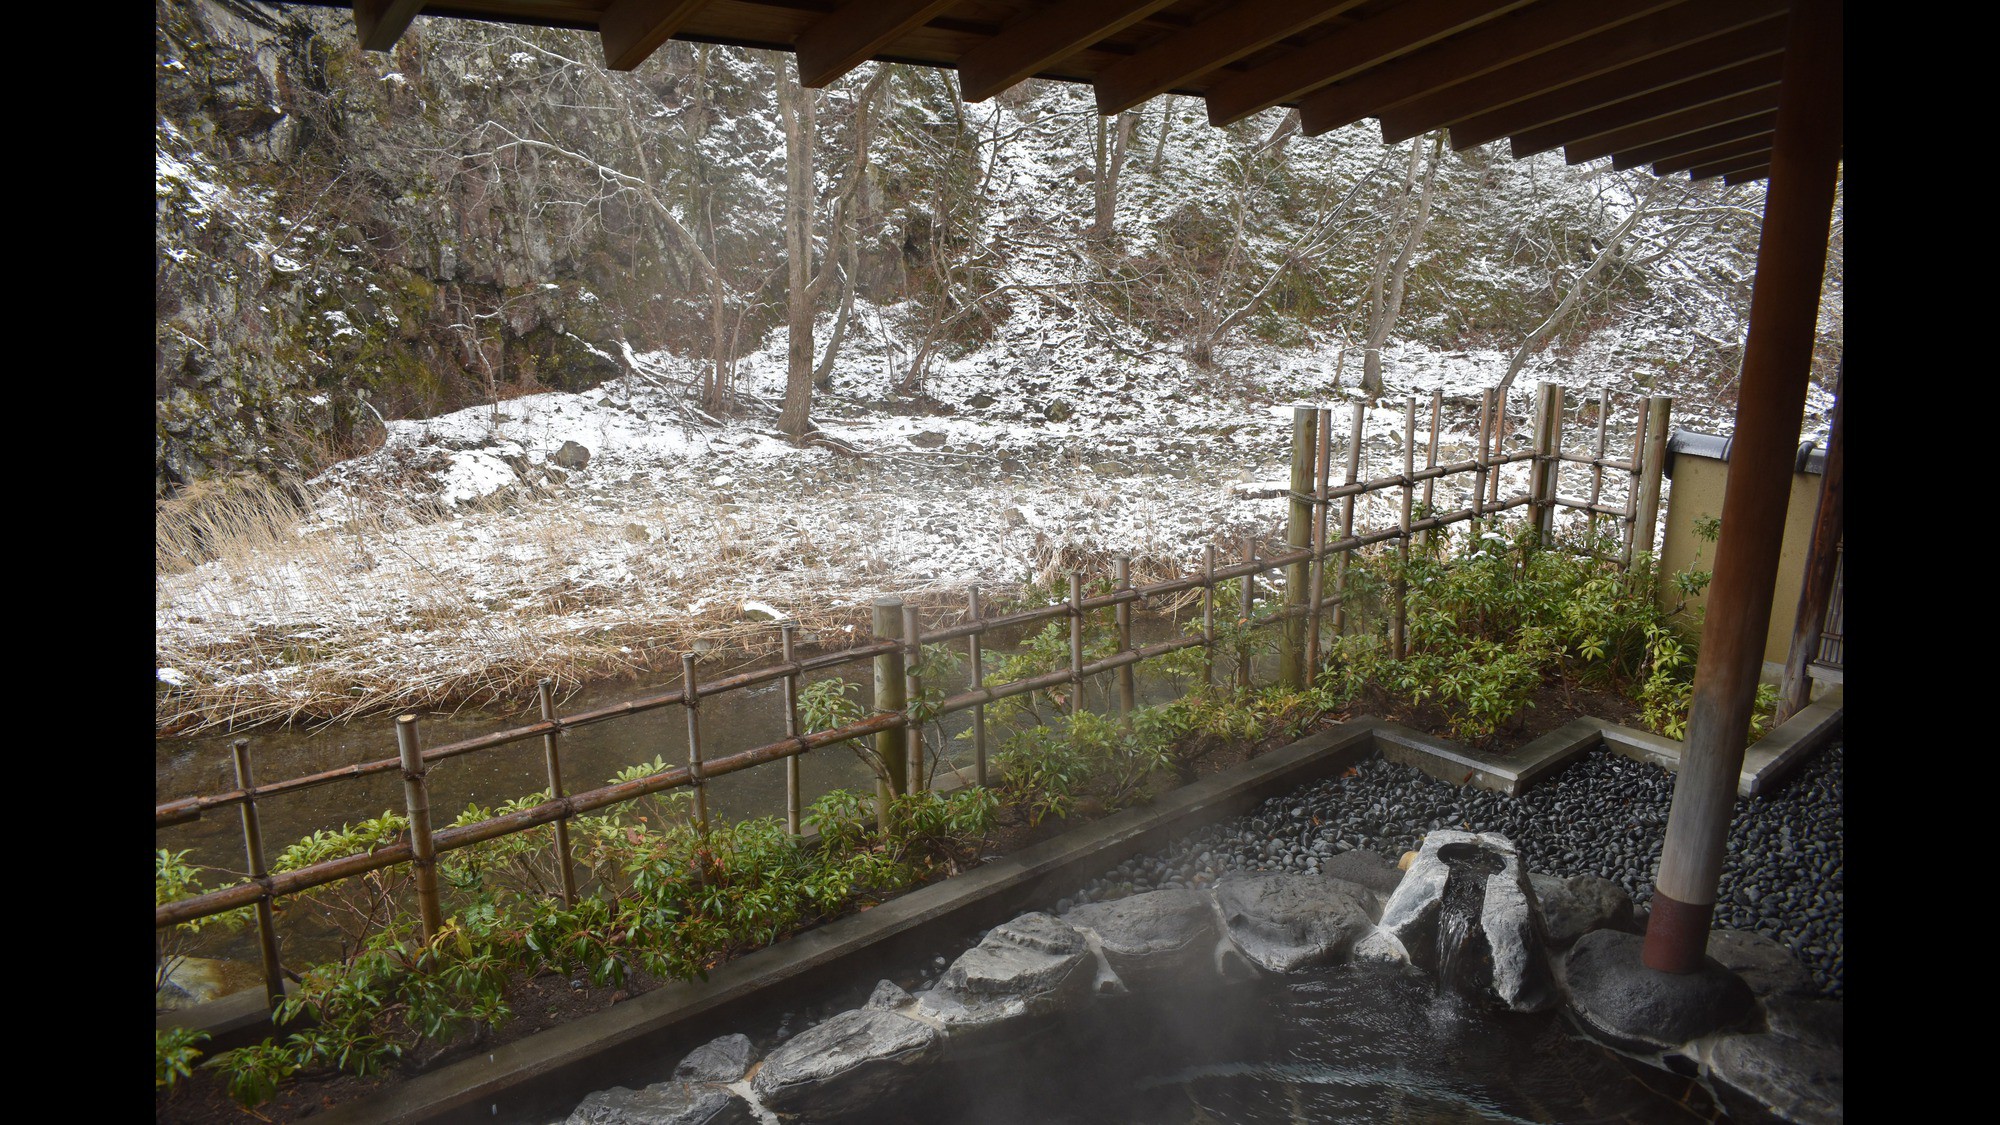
(1604, 815)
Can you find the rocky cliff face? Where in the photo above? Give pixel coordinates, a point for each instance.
(344, 236)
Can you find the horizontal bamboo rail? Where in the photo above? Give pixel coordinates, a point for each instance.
(1544, 460)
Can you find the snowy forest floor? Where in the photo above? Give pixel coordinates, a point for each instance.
(460, 561)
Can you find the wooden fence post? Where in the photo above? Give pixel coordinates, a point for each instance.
(889, 697)
(913, 694)
(417, 802)
(1208, 614)
(1075, 641)
(1597, 458)
(1358, 419)
(1658, 410)
(787, 642)
(691, 703)
(1128, 688)
(1322, 466)
(1249, 607)
(1817, 589)
(1542, 478)
(545, 695)
(253, 849)
(1431, 457)
(1397, 640)
(978, 681)
(1298, 535)
(1482, 462)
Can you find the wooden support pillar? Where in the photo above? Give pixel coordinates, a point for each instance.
(1298, 536)
(1777, 357)
(892, 782)
(1817, 588)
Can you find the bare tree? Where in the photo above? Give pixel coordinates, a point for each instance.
(797, 110)
(1392, 262)
(1109, 154)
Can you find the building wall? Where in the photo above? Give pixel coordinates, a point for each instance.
(1696, 491)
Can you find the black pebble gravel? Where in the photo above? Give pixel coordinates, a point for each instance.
(1603, 815)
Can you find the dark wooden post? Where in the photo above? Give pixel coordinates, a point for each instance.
(978, 681)
(253, 849)
(691, 705)
(1480, 464)
(1659, 410)
(545, 695)
(1208, 615)
(1248, 606)
(417, 802)
(1128, 687)
(1357, 419)
(913, 693)
(1817, 588)
(788, 642)
(1398, 641)
(1322, 467)
(893, 782)
(1777, 358)
(1298, 535)
(1548, 441)
(1075, 641)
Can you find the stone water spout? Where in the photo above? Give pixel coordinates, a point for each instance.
(1466, 911)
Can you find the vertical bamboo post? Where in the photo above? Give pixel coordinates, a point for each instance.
(1597, 459)
(1298, 535)
(1630, 519)
(417, 802)
(1358, 418)
(1431, 452)
(978, 681)
(1483, 460)
(1499, 448)
(787, 641)
(691, 704)
(545, 695)
(253, 850)
(1208, 614)
(893, 780)
(1398, 641)
(1542, 477)
(1817, 587)
(1322, 466)
(1658, 410)
(1249, 606)
(913, 694)
(1075, 641)
(1128, 687)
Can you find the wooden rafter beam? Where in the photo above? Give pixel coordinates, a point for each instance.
(633, 29)
(1216, 41)
(1628, 43)
(1748, 175)
(1756, 74)
(381, 22)
(1346, 52)
(843, 40)
(1737, 164)
(1691, 142)
(1758, 146)
(1044, 39)
(1747, 104)
(1482, 50)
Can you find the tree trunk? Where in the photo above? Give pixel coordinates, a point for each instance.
(796, 111)
(1392, 264)
(1110, 158)
(1166, 126)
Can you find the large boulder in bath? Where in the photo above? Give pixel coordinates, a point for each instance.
(1154, 938)
(1024, 969)
(1509, 961)
(846, 1063)
(1575, 906)
(1285, 922)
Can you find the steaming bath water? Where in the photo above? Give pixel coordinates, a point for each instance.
(1367, 1044)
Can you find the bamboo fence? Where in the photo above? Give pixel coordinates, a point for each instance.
(900, 637)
